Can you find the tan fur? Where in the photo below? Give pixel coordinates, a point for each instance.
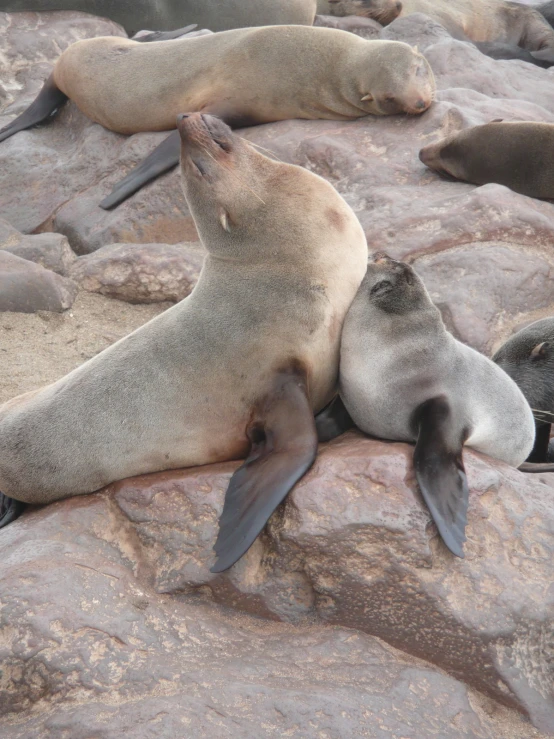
(261, 74)
(478, 20)
(286, 255)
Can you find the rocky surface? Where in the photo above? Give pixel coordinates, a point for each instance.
(50, 250)
(26, 287)
(140, 273)
(118, 628)
(122, 631)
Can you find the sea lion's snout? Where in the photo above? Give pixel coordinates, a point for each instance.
(204, 130)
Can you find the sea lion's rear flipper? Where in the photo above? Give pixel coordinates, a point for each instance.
(47, 102)
(439, 470)
(536, 467)
(284, 446)
(164, 157)
(333, 420)
(10, 509)
(164, 35)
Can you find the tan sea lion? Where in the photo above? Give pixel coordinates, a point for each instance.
(236, 369)
(382, 11)
(404, 377)
(477, 20)
(245, 76)
(159, 15)
(519, 155)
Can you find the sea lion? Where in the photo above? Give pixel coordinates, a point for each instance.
(217, 15)
(528, 358)
(547, 10)
(236, 369)
(519, 155)
(404, 377)
(477, 20)
(246, 76)
(382, 11)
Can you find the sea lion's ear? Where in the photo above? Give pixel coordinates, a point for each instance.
(224, 220)
(367, 98)
(540, 351)
(440, 472)
(415, 49)
(284, 445)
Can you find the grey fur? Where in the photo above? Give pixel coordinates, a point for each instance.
(396, 355)
(286, 255)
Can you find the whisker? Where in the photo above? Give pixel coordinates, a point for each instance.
(234, 174)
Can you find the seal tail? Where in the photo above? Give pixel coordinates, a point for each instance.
(49, 99)
(536, 467)
(10, 509)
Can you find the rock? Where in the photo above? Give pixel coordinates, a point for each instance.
(50, 250)
(90, 648)
(364, 27)
(140, 273)
(355, 546)
(27, 288)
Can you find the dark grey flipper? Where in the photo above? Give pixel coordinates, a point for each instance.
(284, 446)
(440, 472)
(536, 467)
(497, 50)
(47, 102)
(540, 449)
(164, 157)
(10, 509)
(333, 420)
(164, 35)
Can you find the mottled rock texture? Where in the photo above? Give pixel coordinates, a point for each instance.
(140, 273)
(118, 629)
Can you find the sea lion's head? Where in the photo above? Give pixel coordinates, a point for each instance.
(382, 11)
(447, 157)
(393, 286)
(247, 206)
(394, 79)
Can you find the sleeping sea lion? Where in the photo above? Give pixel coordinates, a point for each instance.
(519, 155)
(477, 20)
(217, 15)
(528, 357)
(404, 377)
(246, 76)
(234, 370)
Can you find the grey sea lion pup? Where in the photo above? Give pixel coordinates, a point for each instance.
(404, 377)
(158, 15)
(477, 20)
(518, 155)
(246, 76)
(235, 370)
(528, 357)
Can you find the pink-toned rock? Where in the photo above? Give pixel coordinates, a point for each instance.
(364, 27)
(140, 273)
(354, 545)
(90, 647)
(27, 288)
(50, 250)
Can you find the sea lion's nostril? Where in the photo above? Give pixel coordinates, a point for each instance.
(420, 105)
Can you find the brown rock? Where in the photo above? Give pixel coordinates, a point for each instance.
(354, 545)
(140, 273)
(89, 648)
(50, 250)
(26, 287)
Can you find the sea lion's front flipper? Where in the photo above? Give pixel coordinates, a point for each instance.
(145, 38)
(164, 157)
(439, 470)
(10, 509)
(47, 102)
(284, 446)
(333, 420)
